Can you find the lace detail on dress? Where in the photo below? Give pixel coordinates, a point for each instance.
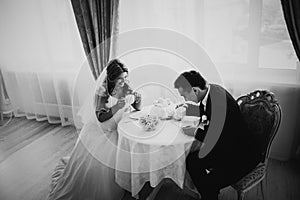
(101, 98)
(101, 90)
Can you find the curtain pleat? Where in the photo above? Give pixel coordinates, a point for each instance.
(5, 105)
(95, 21)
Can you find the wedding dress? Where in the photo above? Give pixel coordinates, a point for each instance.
(89, 173)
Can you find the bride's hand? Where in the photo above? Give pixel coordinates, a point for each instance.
(121, 103)
(138, 97)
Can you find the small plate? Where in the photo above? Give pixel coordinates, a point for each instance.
(190, 121)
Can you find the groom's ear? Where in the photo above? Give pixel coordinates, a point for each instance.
(195, 90)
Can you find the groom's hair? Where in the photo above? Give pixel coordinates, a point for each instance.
(190, 79)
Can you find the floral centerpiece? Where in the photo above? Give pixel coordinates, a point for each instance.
(149, 122)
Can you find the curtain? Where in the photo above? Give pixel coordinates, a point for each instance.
(292, 17)
(97, 22)
(40, 55)
(5, 106)
(4, 99)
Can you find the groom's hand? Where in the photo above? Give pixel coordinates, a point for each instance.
(190, 131)
(196, 146)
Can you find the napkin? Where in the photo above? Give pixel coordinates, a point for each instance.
(190, 121)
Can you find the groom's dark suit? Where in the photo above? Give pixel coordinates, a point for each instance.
(234, 154)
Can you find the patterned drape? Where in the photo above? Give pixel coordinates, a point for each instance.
(97, 22)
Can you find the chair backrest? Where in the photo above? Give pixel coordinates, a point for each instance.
(262, 114)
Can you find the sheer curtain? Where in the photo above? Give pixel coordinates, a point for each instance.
(247, 40)
(153, 70)
(40, 55)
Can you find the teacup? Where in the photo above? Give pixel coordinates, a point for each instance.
(179, 113)
(130, 99)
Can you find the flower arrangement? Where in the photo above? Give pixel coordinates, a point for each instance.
(204, 120)
(149, 122)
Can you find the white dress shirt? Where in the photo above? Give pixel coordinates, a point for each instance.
(204, 100)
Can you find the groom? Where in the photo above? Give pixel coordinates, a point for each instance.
(223, 151)
(234, 153)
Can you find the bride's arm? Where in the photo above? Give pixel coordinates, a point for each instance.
(102, 112)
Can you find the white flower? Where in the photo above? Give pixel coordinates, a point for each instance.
(149, 122)
(203, 118)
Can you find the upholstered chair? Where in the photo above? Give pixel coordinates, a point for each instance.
(262, 114)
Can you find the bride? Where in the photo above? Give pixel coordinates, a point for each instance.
(89, 172)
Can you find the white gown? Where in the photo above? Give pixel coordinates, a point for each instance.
(89, 172)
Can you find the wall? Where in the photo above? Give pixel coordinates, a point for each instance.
(287, 140)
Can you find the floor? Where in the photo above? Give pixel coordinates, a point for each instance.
(29, 151)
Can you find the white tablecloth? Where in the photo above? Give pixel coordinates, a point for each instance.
(150, 156)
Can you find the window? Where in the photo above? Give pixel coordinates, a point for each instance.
(248, 32)
(247, 39)
(276, 49)
(226, 30)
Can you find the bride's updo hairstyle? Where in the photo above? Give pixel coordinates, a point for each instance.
(114, 69)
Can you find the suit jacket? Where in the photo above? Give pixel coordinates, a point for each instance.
(235, 142)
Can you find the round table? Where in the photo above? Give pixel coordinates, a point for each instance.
(150, 156)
